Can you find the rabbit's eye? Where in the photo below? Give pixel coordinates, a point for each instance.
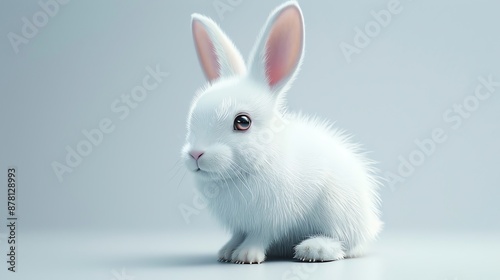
(242, 122)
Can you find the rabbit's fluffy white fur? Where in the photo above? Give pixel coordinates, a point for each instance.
(289, 185)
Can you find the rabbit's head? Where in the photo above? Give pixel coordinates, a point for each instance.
(235, 119)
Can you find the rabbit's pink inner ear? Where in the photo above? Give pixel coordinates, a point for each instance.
(284, 45)
(206, 51)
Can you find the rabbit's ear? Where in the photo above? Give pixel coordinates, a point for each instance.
(278, 52)
(217, 54)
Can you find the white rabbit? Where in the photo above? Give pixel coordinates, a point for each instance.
(283, 184)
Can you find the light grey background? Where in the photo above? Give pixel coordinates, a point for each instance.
(395, 91)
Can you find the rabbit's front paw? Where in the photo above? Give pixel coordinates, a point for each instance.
(225, 254)
(319, 249)
(249, 255)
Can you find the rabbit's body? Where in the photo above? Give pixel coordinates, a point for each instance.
(283, 184)
(319, 185)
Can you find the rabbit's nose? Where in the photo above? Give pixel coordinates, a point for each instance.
(196, 154)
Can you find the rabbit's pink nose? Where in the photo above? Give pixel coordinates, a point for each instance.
(196, 154)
